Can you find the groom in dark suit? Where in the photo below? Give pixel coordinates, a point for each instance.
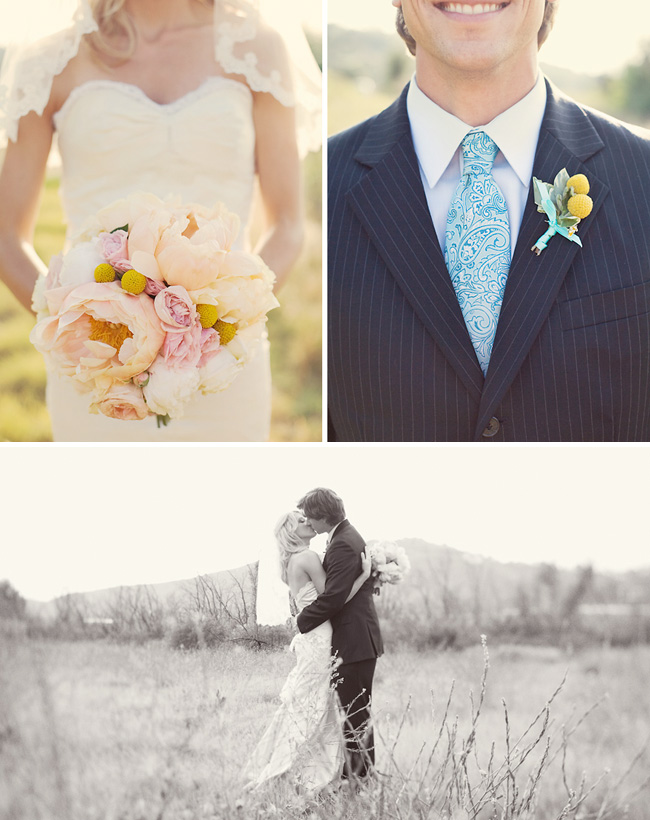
(548, 347)
(356, 638)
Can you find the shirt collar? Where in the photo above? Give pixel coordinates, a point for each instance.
(437, 133)
(333, 530)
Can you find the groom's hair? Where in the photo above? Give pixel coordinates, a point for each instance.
(550, 10)
(322, 504)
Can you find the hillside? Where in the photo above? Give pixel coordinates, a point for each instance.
(442, 581)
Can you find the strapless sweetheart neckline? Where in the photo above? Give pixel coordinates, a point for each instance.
(136, 92)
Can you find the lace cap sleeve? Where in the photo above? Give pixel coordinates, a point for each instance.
(28, 70)
(264, 43)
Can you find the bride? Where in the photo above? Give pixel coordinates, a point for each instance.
(304, 740)
(192, 98)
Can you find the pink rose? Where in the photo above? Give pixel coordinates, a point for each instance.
(121, 401)
(76, 338)
(153, 287)
(183, 350)
(175, 309)
(114, 249)
(210, 344)
(141, 379)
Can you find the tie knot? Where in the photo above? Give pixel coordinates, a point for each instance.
(479, 152)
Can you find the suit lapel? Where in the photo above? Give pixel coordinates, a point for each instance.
(391, 205)
(566, 140)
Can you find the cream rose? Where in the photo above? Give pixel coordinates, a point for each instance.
(168, 390)
(124, 402)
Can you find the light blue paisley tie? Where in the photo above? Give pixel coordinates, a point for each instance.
(477, 249)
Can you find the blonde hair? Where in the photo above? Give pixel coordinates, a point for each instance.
(289, 543)
(115, 24)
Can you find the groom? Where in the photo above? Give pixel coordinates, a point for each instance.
(356, 638)
(437, 333)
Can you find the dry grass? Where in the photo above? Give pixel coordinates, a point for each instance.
(99, 730)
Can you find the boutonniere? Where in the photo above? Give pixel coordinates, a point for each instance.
(565, 203)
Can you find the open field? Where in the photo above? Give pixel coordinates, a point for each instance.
(94, 730)
(295, 330)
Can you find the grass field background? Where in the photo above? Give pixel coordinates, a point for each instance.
(94, 730)
(295, 330)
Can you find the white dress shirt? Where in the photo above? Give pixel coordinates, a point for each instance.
(333, 530)
(437, 136)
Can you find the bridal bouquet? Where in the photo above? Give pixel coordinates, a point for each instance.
(389, 563)
(151, 305)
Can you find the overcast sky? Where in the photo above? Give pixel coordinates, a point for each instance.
(590, 36)
(82, 518)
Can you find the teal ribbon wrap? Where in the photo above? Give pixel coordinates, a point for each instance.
(553, 227)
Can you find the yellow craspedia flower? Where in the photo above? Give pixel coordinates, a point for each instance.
(579, 183)
(104, 273)
(226, 331)
(134, 282)
(208, 315)
(580, 205)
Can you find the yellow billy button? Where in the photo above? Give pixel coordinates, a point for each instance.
(133, 282)
(226, 331)
(104, 273)
(208, 315)
(580, 205)
(579, 183)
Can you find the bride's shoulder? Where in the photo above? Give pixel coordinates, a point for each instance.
(77, 71)
(305, 558)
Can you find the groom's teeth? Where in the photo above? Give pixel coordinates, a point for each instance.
(464, 8)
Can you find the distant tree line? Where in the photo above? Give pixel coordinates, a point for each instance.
(550, 607)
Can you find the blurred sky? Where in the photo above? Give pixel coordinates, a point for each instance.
(589, 36)
(82, 518)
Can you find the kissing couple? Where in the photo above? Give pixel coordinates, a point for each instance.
(322, 731)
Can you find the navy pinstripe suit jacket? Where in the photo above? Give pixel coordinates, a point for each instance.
(571, 356)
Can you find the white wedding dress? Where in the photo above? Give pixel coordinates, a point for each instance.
(113, 141)
(304, 741)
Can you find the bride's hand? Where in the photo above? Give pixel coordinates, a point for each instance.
(366, 564)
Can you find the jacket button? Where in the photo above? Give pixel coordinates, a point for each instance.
(492, 427)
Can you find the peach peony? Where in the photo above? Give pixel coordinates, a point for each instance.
(75, 339)
(192, 262)
(145, 235)
(244, 289)
(121, 213)
(121, 401)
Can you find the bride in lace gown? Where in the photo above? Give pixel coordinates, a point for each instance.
(304, 741)
(188, 98)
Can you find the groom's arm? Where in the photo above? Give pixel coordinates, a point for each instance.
(343, 568)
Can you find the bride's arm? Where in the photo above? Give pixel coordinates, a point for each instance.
(361, 580)
(21, 183)
(278, 166)
(311, 564)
